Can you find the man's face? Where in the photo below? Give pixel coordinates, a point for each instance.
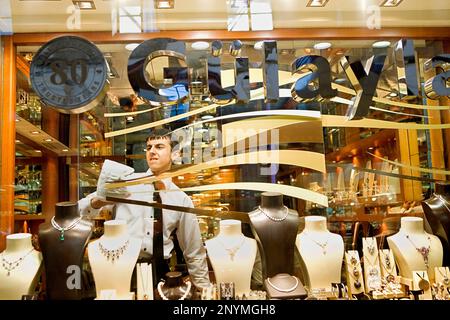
(159, 155)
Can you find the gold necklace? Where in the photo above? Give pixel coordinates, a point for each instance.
(371, 246)
(144, 283)
(387, 264)
(355, 274)
(423, 283)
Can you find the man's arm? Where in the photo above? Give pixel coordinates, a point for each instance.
(189, 238)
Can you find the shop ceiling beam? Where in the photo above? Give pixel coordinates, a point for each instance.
(434, 33)
(7, 145)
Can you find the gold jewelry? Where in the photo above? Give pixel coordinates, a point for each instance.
(387, 266)
(371, 247)
(144, 283)
(423, 283)
(355, 274)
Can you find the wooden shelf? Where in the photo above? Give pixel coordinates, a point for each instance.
(21, 217)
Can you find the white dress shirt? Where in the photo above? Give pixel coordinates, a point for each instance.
(140, 224)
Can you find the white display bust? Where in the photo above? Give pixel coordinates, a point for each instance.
(321, 253)
(114, 274)
(19, 280)
(232, 256)
(405, 243)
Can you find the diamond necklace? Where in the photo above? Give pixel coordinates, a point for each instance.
(113, 254)
(233, 250)
(272, 218)
(10, 266)
(322, 245)
(423, 251)
(64, 229)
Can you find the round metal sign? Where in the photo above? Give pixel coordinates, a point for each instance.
(69, 73)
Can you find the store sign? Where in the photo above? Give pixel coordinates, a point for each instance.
(69, 73)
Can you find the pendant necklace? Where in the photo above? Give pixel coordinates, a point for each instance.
(423, 251)
(64, 229)
(355, 272)
(233, 250)
(273, 218)
(388, 267)
(371, 247)
(144, 283)
(322, 245)
(445, 279)
(423, 283)
(113, 254)
(282, 289)
(10, 266)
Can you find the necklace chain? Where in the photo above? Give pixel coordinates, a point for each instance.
(64, 229)
(284, 290)
(113, 254)
(322, 245)
(184, 296)
(233, 250)
(273, 218)
(445, 279)
(10, 266)
(144, 283)
(423, 251)
(355, 274)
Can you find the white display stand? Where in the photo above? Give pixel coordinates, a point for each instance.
(232, 256)
(20, 267)
(114, 273)
(406, 245)
(321, 254)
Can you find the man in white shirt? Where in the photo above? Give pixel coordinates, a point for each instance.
(159, 157)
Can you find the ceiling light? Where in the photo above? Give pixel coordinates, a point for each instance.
(200, 45)
(317, 3)
(37, 151)
(84, 5)
(65, 150)
(207, 117)
(34, 132)
(393, 94)
(370, 148)
(390, 3)
(322, 45)
(259, 45)
(131, 46)
(381, 44)
(164, 4)
(17, 141)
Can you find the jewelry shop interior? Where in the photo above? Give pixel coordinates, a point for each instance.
(224, 150)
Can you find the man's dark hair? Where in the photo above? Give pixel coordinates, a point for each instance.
(162, 133)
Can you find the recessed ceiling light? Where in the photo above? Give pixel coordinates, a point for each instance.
(34, 132)
(164, 4)
(37, 151)
(17, 120)
(381, 44)
(322, 45)
(317, 3)
(18, 141)
(65, 150)
(48, 140)
(258, 45)
(390, 3)
(84, 5)
(131, 46)
(200, 45)
(393, 94)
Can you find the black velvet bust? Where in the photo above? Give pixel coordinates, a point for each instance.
(437, 214)
(59, 254)
(276, 236)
